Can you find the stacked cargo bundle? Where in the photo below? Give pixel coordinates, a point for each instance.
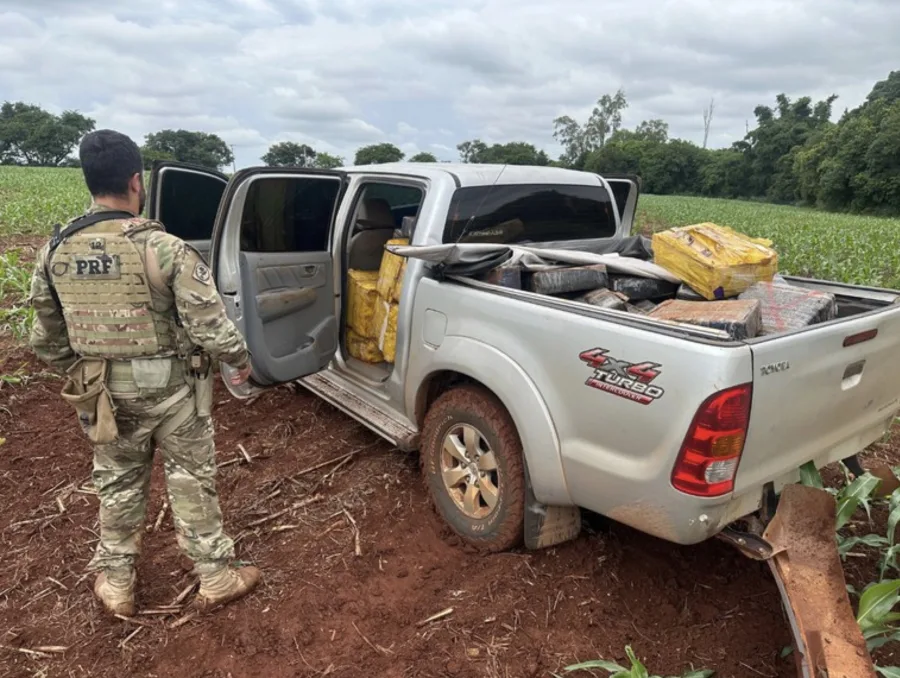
(387, 304)
(362, 297)
(729, 282)
(372, 303)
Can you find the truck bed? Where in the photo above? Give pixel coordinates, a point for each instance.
(819, 393)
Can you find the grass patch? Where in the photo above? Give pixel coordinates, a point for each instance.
(842, 247)
(32, 199)
(16, 315)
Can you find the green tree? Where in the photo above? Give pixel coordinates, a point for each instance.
(653, 130)
(197, 148)
(512, 153)
(327, 161)
(377, 154)
(471, 151)
(289, 154)
(771, 147)
(29, 135)
(579, 140)
(423, 156)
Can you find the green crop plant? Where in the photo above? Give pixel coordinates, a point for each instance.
(16, 315)
(32, 199)
(848, 248)
(636, 670)
(877, 613)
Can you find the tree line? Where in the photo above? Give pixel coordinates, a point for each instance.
(793, 154)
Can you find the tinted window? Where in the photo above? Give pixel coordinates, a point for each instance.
(621, 190)
(402, 201)
(288, 214)
(189, 203)
(529, 212)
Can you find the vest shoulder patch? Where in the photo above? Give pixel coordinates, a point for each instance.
(139, 224)
(96, 267)
(202, 273)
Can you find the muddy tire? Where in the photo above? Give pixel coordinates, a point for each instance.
(473, 466)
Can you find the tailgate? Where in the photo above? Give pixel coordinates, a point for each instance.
(822, 394)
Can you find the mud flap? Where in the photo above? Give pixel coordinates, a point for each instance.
(807, 568)
(548, 525)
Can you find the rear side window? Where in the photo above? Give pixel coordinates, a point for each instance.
(289, 214)
(188, 203)
(529, 213)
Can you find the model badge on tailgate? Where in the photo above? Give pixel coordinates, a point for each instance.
(626, 380)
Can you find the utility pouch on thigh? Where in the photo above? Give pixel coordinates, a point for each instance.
(85, 390)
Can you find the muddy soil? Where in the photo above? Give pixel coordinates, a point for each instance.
(339, 599)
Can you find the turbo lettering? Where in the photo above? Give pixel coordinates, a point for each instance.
(621, 378)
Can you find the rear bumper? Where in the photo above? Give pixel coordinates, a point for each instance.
(653, 506)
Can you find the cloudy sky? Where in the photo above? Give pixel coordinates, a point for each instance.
(427, 74)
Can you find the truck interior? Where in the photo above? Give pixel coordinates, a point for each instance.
(382, 211)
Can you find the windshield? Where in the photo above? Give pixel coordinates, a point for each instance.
(521, 213)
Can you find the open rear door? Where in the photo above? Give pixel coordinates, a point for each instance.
(185, 198)
(626, 188)
(272, 262)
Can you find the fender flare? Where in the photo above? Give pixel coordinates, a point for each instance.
(497, 372)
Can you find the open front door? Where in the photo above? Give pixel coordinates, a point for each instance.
(185, 198)
(271, 258)
(626, 188)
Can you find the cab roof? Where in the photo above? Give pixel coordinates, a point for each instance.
(465, 174)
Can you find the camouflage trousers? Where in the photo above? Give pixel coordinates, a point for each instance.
(121, 477)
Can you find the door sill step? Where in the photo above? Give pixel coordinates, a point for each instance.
(331, 390)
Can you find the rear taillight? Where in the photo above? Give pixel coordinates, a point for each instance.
(712, 448)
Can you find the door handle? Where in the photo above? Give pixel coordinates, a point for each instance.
(853, 374)
(310, 270)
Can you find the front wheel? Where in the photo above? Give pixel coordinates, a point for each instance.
(473, 466)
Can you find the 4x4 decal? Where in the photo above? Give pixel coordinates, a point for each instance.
(626, 380)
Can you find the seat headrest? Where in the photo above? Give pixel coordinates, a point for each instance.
(375, 213)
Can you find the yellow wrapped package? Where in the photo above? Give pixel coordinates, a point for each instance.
(716, 261)
(386, 328)
(362, 297)
(390, 275)
(363, 348)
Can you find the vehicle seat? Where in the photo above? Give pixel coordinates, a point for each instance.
(374, 227)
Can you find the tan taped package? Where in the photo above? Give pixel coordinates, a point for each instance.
(715, 261)
(362, 297)
(363, 348)
(390, 275)
(386, 328)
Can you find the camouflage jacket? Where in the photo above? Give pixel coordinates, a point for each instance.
(179, 280)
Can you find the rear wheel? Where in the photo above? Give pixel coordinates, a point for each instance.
(473, 466)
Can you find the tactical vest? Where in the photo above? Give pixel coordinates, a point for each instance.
(101, 283)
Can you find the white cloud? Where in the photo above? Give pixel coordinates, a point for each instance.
(338, 74)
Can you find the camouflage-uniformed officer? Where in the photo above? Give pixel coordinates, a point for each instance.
(120, 305)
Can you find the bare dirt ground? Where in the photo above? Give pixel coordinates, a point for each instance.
(354, 562)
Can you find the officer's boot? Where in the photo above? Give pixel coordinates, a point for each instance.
(115, 589)
(225, 585)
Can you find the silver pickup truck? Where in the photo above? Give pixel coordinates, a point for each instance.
(524, 407)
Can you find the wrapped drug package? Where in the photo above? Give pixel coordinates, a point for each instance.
(385, 323)
(390, 274)
(568, 279)
(786, 308)
(362, 296)
(741, 319)
(715, 261)
(363, 348)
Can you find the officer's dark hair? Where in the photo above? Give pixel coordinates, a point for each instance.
(109, 159)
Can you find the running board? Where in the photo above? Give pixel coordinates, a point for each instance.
(330, 389)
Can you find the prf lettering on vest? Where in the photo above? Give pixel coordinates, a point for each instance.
(97, 267)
